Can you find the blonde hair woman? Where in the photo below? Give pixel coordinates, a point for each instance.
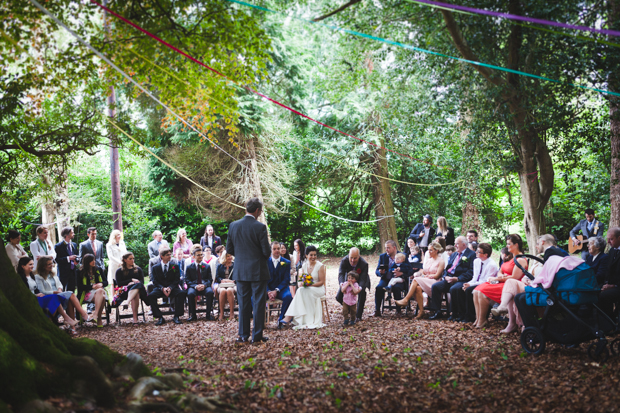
(116, 249)
(182, 243)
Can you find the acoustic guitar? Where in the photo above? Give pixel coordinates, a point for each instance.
(572, 248)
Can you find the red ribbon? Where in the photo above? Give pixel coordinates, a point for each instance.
(193, 59)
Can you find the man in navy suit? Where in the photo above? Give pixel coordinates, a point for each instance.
(458, 271)
(610, 290)
(280, 272)
(386, 260)
(423, 234)
(248, 242)
(166, 278)
(199, 280)
(67, 259)
(589, 227)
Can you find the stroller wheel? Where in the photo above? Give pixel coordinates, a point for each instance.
(615, 347)
(598, 351)
(533, 341)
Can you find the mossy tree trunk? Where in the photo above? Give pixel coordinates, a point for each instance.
(37, 359)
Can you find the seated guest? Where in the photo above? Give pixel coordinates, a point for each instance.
(386, 261)
(443, 230)
(350, 289)
(597, 259)
(423, 280)
(51, 303)
(156, 244)
(179, 257)
(213, 260)
(42, 246)
(413, 252)
(226, 287)
(449, 250)
(183, 243)
(199, 280)
(209, 239)
(423, 234)
(48, 283)
(458, 271)
(283, 251)
(492, 289)
(472, 236)
(546, 246)
(610, 290)
(280, 278)
(129, 281)
(91, 285)
(400, 265)
(14, 249)
(484, 267)
(299, 256)
(166, 278)
(353, 262)
(589, 227)
(153, 262)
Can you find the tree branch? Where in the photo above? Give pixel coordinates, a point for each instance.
(338, 10)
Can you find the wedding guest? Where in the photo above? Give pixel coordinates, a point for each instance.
(67, 259)
(472, 236)
(283, 252)
(423, 234)
(597, 259)
(443, 230)
(48, 283)
(472, 246)
(179, 256)
(492, 289)
(448, 251)
(350, 289)
(156, 244)
(166, 278)
(129, 282)
(306, 311)
(299, 256)
(42, 246)
(280, 278)
(412, 251)
(484, 267)
(92, 246)
(423, 280)
(91, 285)
(354, 262)
(458, 271)
(116, 249)
(226, 287)
(153, 262)
(199, 282)
(210, 239)
(400, 265)
(14, 249)
(387, 260)
(546, 246)
(610, 289)
(213, 260)
(183, 243)
(50, 303)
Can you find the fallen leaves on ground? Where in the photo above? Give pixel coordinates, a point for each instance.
(380, 364)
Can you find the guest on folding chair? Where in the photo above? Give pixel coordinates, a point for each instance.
(129, 285)
(91, 285)
(198, 279)
(166, 278)
(280, 273)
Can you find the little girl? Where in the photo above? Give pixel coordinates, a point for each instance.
(350, 289)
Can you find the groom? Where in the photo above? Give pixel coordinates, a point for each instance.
(248, 243)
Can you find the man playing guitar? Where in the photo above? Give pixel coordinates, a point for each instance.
(589, 227)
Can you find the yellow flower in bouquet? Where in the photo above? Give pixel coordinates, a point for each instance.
(307, 280)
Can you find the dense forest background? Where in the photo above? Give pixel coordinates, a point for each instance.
(455, 124)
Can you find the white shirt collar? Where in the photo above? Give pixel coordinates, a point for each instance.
(594, 257)
(250, 215)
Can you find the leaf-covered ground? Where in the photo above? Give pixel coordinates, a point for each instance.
(381, 364)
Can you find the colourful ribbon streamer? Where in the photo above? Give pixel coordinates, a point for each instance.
(193, 59)
(418, 49)
(521, 18)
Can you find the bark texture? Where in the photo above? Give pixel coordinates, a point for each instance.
(614, 114)
(384, 207)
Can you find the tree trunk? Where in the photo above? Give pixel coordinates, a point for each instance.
(471, 216)
(254, 180)
(614, 115)
(384, 206)
(48, 216)
(61, 204)
(39, 360)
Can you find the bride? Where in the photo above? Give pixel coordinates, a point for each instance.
(305, 310)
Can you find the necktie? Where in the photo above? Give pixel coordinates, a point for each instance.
(480, 273)
(199, 273)
(70, 253)
(165, 269)
(94, 249)
(456, 262)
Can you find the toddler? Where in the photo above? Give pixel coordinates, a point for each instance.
(400, 264)
(350, 289)
(415, 255)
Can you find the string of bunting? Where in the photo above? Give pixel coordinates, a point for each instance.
(249, 89)
(174, 76)
(418, 49)
(45, 11)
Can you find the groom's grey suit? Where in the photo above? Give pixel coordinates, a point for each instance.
(248, 242)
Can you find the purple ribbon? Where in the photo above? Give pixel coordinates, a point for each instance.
(521, 18)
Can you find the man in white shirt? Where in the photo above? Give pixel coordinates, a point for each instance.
(484, 267)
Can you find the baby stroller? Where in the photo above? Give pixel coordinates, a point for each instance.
(570, 317)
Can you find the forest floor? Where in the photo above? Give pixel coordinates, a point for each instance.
(380, 364)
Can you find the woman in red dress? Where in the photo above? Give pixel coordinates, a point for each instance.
(492, 289)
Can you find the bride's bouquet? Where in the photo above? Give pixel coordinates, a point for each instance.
(307, 280)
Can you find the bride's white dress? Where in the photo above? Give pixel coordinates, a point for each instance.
(306, 307)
